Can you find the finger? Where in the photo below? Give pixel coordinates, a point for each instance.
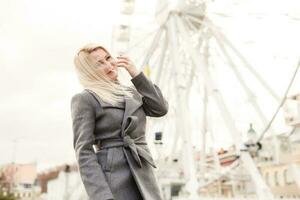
(122, 62)
(123, 57)
(122, 65)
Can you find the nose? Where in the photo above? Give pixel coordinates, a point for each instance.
(113, 63)
(110, 66)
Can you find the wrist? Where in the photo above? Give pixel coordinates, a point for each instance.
(133, 72)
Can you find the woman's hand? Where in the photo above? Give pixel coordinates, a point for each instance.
(124, 61)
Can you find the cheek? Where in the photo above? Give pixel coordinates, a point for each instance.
(102, 71)
(105, 69)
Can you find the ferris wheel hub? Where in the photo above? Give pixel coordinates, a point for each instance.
(193, 7)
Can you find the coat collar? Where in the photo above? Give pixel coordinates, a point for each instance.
(104, 104)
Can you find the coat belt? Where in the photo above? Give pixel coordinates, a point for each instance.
(134, 144)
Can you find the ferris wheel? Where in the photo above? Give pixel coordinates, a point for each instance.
(180, 59)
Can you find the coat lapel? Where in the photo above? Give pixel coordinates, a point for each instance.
(131, 105)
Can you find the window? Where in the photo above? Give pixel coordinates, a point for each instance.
(276, 178)
(27, 185)
(267, 178)
(288, 178)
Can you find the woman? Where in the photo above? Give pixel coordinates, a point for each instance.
(113, 117)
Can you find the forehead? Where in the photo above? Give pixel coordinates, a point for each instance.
(98, 54)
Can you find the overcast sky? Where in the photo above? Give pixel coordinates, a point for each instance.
(39, 38)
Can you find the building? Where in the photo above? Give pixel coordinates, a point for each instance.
(20, 180)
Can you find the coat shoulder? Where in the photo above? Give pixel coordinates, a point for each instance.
(83, 97)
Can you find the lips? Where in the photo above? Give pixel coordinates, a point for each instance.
(111, 71)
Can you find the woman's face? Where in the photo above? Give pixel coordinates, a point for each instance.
(105, 63)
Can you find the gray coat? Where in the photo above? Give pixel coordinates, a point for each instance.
(124, 170)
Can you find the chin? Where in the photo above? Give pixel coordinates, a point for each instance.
(114, 78)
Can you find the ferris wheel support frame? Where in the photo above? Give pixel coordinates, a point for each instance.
(261, 188)
(208, 82)
(238, 75)
(209, 24)
(161, 60)
(181, 129)
(152, 47)
(175, 142)
(250, 94)
(204, 130)
(219, 36)
(204, 116)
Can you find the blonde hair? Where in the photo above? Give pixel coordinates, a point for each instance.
(109, 91)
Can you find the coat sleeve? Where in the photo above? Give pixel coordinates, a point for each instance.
(154, 104)
(83, 124)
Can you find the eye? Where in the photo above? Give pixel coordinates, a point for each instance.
(108, 58)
